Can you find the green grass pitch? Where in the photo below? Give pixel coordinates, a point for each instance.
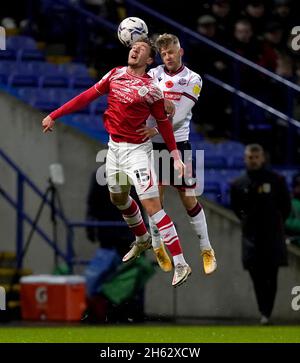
(152, 334)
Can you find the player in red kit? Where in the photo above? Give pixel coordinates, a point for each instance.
(132, 97)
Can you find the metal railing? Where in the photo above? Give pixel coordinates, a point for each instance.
(18, 203)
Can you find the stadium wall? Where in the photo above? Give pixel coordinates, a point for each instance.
(22, 139)
(226, 294)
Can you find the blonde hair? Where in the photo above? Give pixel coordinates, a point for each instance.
(165, 40)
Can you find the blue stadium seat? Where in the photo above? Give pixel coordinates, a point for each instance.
(81, 82)
(42, 68)
(30, 55)
(211, 175)
(3, 79)
(45, 106)
(94, 123)
(230, 174)
(236, 162)
(8, 54)
(204, 145)
(43, 99)
(195, 136)
(23, 80)
(212, 186)
(74, 69)
(20, 42)
(28, 94)
(214, 161)
(54, 81)
(287, 173)
(230, 148)
(6, 67)
(100, 105)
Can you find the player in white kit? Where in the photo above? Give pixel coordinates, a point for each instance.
(182, 86)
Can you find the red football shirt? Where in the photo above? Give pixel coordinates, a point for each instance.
(131, 99)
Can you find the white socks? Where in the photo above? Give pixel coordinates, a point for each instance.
(198, 223)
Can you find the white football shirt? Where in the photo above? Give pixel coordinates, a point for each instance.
(183, 89)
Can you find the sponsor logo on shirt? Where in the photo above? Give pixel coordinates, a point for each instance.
(182, 81)
(124, 98)
(173, 96)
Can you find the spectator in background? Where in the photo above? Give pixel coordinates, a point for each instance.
(285, 67)
(273, 36)
(204, 58)
(279, 97)
(98, 7)
(212, 120)
(244, 42)
(255, 13)
(206, 25)
(292, 224)
(222, 12)
(282, 13)
(260, 199)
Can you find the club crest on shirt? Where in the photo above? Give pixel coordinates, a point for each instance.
(182, 81)
(143, 91)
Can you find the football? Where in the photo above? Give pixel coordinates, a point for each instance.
(131, 29)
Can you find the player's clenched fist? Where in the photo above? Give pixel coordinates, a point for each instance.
(48, 124)
(178, 163)
(180, 167)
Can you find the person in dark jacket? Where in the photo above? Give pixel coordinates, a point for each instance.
(261, 200)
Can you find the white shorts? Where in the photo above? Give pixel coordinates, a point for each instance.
(131, 164)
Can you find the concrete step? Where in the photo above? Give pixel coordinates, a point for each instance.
(7, 259)
(8, 274)
(11, 288)
(13, 304)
